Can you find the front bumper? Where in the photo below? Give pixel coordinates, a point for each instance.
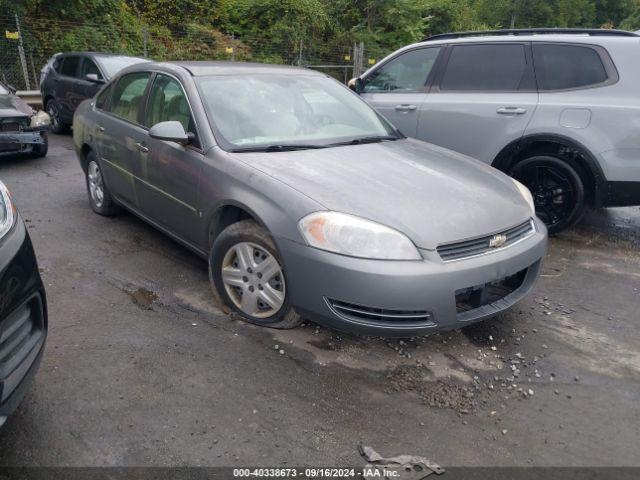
(23, 317)
(407, 298)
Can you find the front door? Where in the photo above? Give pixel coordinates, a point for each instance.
(398, 88)
(169, 171)
(120, 136)
(484, 99)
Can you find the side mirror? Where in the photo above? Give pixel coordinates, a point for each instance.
(93, 77)
(356, 84)
(170, 131)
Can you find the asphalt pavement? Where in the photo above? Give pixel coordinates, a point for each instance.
(143, 368)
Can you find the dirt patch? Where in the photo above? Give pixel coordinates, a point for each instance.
(143, 298)
(442, 393)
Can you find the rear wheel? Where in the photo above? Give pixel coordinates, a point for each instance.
(246, 274)
(557, 188)
(57, 125)
(99, 196)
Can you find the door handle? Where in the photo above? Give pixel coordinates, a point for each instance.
(405, 108)
(142, 147)
(511, 111)
(100, 128)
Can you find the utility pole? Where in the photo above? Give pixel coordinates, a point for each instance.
(23, 59)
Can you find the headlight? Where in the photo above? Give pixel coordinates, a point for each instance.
(356, 237)
(524, 191)
(40, 119)
(7, 211)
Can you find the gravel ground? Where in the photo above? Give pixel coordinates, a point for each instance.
(142, 368)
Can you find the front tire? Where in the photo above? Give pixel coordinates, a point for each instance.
(41, 150)
(558, 190)
(246, 274)
(99, 196)
(57, 125)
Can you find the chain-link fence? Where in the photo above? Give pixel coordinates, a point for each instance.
(26, 44)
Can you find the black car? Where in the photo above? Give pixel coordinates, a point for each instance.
(69, 78)
(23, 308)
(22, 130)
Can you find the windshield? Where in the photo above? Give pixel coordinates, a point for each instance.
(3, 90)
(276, 110)
(113, 65)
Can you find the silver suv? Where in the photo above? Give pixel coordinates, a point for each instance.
(558, 110)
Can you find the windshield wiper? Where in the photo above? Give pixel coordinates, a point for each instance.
(363, 140)
(287, 147)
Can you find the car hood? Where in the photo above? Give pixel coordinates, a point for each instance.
(431, 194)
(12, 106)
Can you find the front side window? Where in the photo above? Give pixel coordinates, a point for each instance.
(103, 98)
(561, 67)
(406, 73)
(264, 110)
(487, 68)
(89, 66)
(127, 96)
(70, 66)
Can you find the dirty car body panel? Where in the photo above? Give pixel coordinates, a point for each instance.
(479, 243)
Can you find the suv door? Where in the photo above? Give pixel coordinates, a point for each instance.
(86, 88)
(483, 99)
(66, 90)
(170, 172)
(119, 134)
(398, 88)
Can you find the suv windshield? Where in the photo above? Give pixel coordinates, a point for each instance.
(302, 111)
(113, 64)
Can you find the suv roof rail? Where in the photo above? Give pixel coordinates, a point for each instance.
(534, 31)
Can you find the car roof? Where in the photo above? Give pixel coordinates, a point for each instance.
(208, 68)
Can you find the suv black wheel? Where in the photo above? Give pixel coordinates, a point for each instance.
(557, 189)
(246, 274)
(57, 125)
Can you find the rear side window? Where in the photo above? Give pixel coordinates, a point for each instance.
(487, 68)
(70, 66)
(406, 73)
(562, 67)
(128, 94)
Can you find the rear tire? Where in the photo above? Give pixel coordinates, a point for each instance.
(57, 125)
(246, 274)
(99, 196)
(558, 189)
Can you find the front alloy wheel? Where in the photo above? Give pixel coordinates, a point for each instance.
(96, 184)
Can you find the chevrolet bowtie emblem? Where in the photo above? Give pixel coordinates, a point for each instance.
(498, 240)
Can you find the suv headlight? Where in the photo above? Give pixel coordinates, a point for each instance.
(40, 119)
(7, 211)
(354, 236)
(526, 193)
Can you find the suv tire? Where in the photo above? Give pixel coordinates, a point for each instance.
(57, 126)
(557, 188)
(236, 274)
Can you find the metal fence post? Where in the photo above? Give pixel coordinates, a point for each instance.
(23, 59)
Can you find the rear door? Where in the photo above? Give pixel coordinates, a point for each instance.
(398, 87)
(66, 87)
(120, 135)
(483, 99)
(169, 171)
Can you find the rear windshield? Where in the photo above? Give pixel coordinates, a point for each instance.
(113, 65)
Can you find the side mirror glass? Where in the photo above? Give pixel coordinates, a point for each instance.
(170, 131)
(92, 77)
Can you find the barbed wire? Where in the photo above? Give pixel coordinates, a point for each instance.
(24, 52)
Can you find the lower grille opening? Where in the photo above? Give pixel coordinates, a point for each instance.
(365, 313)
(475, 297)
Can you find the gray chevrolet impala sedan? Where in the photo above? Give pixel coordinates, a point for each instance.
(305, 201)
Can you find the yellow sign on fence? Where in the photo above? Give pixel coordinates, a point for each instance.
(12, 35)
(229, 49)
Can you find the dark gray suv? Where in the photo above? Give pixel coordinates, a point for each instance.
(556, 109)
(69, 78)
